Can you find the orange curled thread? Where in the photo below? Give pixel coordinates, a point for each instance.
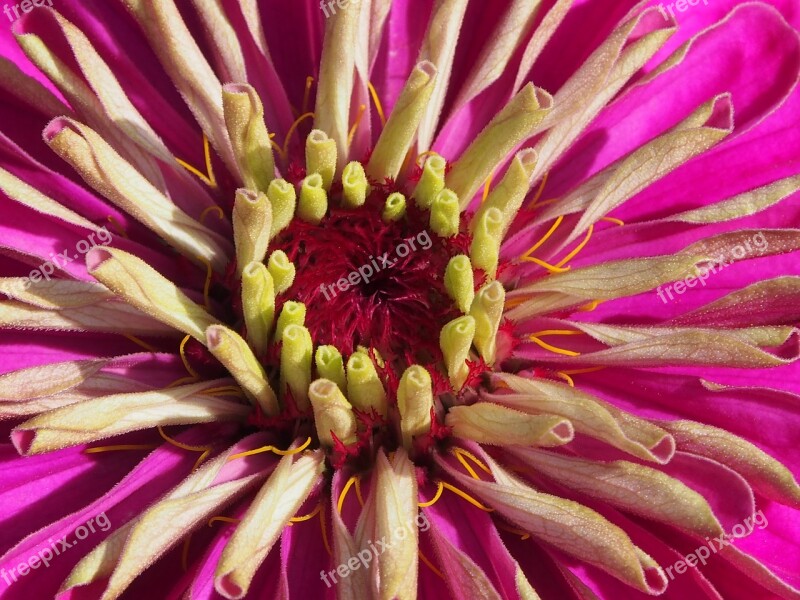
(272, 449)
(566, 378)
(435, 499)
(460, 453)
(310, 515)
(528, 258)
(324, 526)
(228, 390)
(207, 284)
(466, 496)
(181, 381)
(377, 102)
(99, 449)
(186, 364)
(577, 249)
(292, 129)
(118, 227)
(139, 342)
(307, 93)
(539, 192)
(275, 146)
(429, 564)
(487, 186)
(361, 110)
(425, 155)
(206, 450)
(354, 480)
(582, 371)
(591, 306)
(619, 222)
(523, 534)
(213, 520)
(208, 179)
(534, 337)
(209, 210)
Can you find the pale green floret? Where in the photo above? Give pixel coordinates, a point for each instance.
(296, 354)
(395, 207)
(431, 182)
(282, 271)
(244, 120)
(485, 248)
(445, 214)
(258, 305)
(455, 341)
(283, 198)
(460, 282)
(313, 199)
(400, 130)
(252, 221)
(292, 313)
(321, 156)
(364, 388)
(232, 351)
(414, 401)
(355, 187)
(333, 414)
(330, 365)
(487, 310)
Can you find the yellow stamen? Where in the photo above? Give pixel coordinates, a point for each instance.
(466, 497)
(435, 499)
(377, 102)
(227, 390)
(310, 515)
(99, 449)
(582, 371)
(186, 364)
(539, 192)
(545, 265)
(307, 93)
(350, 482)
(117, 226)
(139, 342)
(361, 110)
(213, 520)
(430, 564)
(553, 349)
(566, 378)
(424, 155)
(591, 306)
(208, 179)
(207, 284)
(275, 146)
(206, 450)
(209, 210)
(613, 220)
(546, 237)
(272, 449)
(295, 125)
(460, 453)
(487, 187)
(578, 248)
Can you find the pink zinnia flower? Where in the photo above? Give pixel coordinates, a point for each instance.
(467, 299)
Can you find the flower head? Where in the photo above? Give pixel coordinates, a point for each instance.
(419, 324)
